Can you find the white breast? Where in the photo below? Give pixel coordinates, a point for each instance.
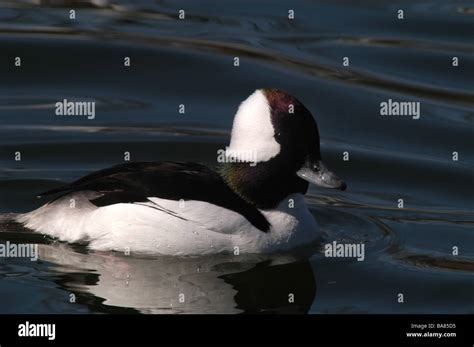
(169, 227)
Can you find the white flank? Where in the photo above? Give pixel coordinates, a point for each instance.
(197, 228)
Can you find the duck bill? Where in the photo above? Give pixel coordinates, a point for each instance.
(315, 172)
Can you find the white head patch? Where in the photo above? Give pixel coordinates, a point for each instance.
(252, 131)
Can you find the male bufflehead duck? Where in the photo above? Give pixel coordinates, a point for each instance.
(173, 208)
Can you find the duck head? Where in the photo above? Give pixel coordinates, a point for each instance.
(274, 150)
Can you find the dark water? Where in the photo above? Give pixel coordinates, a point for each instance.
(408, 250)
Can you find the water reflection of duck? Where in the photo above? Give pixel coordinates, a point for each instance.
(210, 284)
(169, 208)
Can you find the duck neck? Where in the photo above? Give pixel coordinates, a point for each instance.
(263, 185)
